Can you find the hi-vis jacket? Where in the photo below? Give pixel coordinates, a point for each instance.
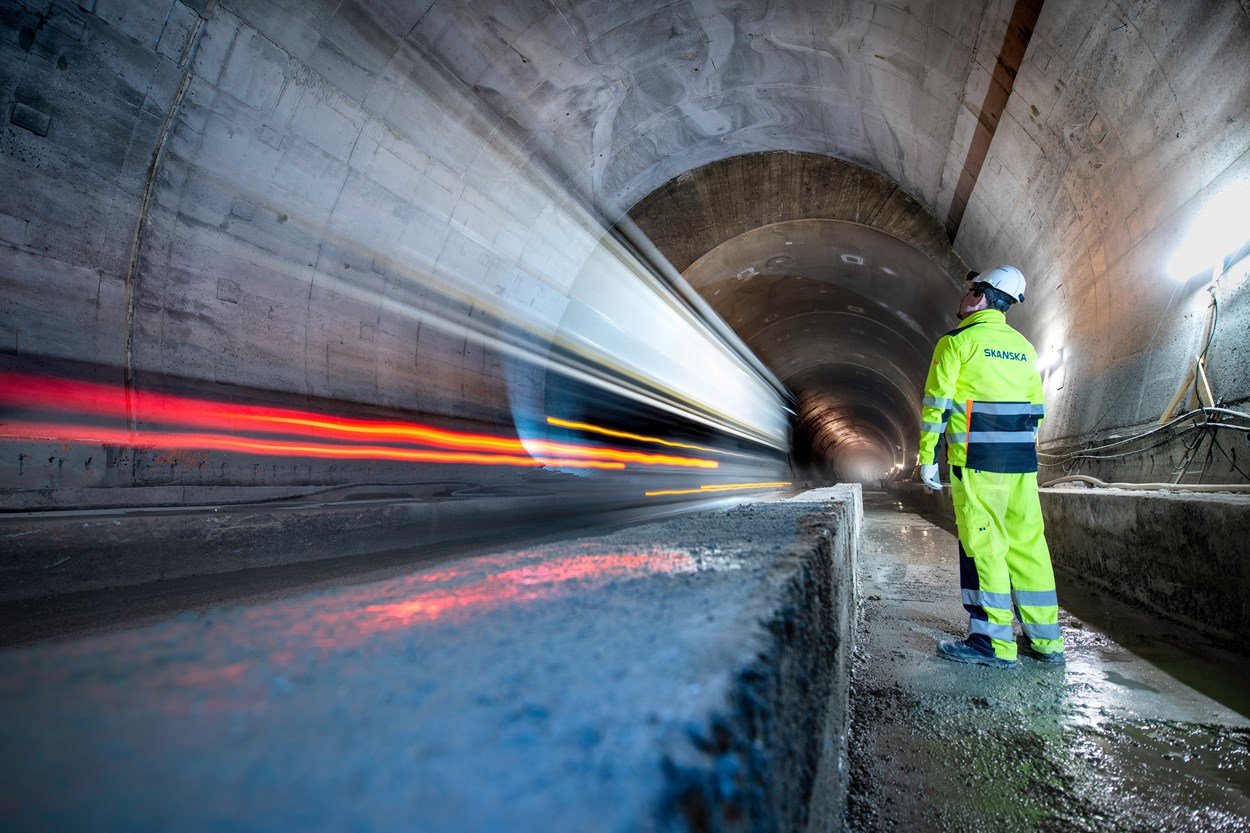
(985, 392)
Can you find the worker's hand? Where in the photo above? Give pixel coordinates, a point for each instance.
(929, 475)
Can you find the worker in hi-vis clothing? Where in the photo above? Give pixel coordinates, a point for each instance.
(985, 393)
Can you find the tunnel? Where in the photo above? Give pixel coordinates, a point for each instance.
(293, 283)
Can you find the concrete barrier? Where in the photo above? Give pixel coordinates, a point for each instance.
(1180, 554)
(690, 674)
(1184, 555)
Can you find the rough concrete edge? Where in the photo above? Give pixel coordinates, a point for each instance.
(776, 758)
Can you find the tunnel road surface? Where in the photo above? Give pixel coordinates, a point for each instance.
(1107, 742)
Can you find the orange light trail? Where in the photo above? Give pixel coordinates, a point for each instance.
(430, 436)
(718, 487)
(92, 400)
(625, 435)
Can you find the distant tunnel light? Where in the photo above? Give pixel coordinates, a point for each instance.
(1221, 229)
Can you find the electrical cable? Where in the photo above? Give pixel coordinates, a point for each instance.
(1157, 429)
(1207, 426)
(1211, 288)
(1238, 488)
(1163, 442)
(1228, 457)
(1215, 318)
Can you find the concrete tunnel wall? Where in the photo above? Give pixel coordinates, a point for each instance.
(222, 198)
(236, 196)
(202, 203)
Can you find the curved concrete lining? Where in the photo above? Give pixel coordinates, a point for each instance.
(845, 315)
(344, 206)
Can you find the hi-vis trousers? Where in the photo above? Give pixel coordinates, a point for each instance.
(1004, 561)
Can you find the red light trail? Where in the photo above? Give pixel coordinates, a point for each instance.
(311, 434)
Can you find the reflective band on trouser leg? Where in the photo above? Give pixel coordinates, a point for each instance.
(1028, 559)
(980, 504)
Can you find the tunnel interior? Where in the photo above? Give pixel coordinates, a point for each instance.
(825, 305)
(355, 213)
(299, 286)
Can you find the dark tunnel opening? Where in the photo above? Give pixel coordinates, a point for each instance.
(841, 299)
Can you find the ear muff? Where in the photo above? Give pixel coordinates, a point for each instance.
(998, 299)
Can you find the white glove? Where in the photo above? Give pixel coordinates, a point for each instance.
(929, 476)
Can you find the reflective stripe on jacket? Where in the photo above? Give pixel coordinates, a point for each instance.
(985, 393)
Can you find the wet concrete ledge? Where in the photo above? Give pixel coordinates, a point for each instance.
(51, 553)
(1182, 554)
(685, 675)
(57, 552)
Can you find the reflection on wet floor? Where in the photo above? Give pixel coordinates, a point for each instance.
(338, 622)
(489, 582)
(1190, 658)
(1107, 742)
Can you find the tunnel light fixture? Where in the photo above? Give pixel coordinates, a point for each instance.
(855, 260)
(1048, 360)
(1221, 229)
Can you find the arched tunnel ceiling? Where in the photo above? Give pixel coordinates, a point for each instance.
(833, 276)
(632, 94)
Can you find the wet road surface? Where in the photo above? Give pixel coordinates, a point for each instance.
(1108, 742)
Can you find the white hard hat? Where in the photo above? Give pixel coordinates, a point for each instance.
(1006, 279)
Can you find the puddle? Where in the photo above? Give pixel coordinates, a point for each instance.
(1182, 654)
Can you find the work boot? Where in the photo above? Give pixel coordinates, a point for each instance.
(1053, 658)
(963, 652)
